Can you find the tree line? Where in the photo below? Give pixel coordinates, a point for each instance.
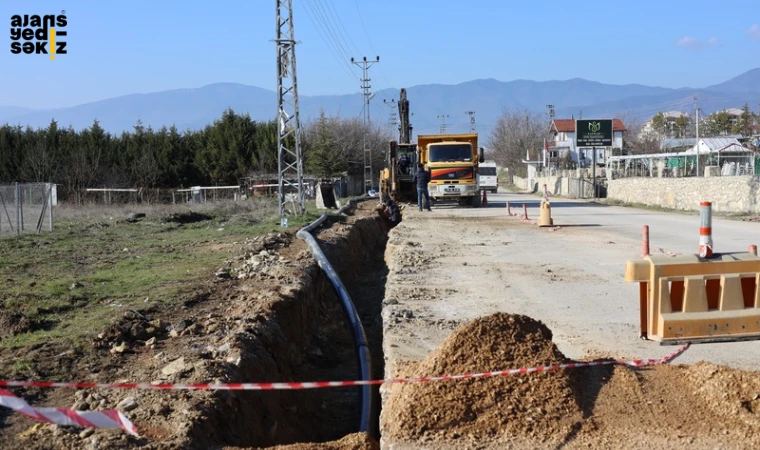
(719, 123)
(232, 147)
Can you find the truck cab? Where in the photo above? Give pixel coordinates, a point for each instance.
(452, 160)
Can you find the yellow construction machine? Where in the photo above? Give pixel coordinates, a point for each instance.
(396, 178)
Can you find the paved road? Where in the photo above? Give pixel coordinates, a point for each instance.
(479, 261)
(673, 231)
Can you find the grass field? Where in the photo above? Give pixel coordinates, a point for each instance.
(97, 263)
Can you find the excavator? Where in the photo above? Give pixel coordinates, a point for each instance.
(396, 178)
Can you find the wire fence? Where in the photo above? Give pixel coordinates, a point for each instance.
(26, 208)
(679, 166)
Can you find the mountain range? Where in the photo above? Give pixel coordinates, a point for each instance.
(195, 108)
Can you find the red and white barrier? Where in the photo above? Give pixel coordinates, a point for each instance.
(110, 418)
(325, 384)
(114, 419)
(509, 210)
(546, 193)
(705, 230)
(645, 240)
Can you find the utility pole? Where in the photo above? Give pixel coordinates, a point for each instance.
(550, 109)
(392, 104)
(472, 120)
(443, 118)
(289, 158)
(365, 65)
(696, 111)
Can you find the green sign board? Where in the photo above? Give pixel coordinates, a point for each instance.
(593, 133)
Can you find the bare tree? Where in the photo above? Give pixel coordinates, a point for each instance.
(515, 133)
(638, 139)
(345, 138)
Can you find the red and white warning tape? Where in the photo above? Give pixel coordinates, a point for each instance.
(114, 419)
(109, 418)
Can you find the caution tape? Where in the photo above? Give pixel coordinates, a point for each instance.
(295, 385)
(115, 419)
(110, 418)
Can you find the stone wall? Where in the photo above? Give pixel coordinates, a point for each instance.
(558, 183)
(737, 194)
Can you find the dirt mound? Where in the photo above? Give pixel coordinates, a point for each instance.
(536, 406)
(356, 441)
(728, 392)
(658, 407)
(132, 327)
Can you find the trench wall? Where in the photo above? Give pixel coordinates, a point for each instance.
(296, 335)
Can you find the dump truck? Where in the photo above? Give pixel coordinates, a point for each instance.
(452, 160)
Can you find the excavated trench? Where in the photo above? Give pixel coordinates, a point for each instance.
(304, 336)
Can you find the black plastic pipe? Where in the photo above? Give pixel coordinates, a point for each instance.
(364, 359)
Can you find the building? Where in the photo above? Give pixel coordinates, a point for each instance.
(717, 145)
(671, 119)
(562, 148)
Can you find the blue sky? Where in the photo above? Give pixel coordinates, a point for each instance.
(117, 48)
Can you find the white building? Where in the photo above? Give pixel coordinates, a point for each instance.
(718, 145)
(670, 122)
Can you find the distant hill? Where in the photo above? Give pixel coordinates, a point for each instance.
(195, 108)
(746, 82)
(12, 111)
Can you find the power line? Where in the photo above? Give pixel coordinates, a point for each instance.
(367, 95)
(344, 32)
(322, 33)
(371, 46)
(329, 27)
(328, 35)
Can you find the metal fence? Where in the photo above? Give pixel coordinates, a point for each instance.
(26, 208)
(678, 166)
(584, 188)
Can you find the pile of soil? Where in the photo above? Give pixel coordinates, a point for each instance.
(537, 405)
(355, 441)
(703, 406)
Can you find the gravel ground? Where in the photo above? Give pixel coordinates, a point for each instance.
(456, 264)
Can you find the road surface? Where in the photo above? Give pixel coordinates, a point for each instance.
(457, 263)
